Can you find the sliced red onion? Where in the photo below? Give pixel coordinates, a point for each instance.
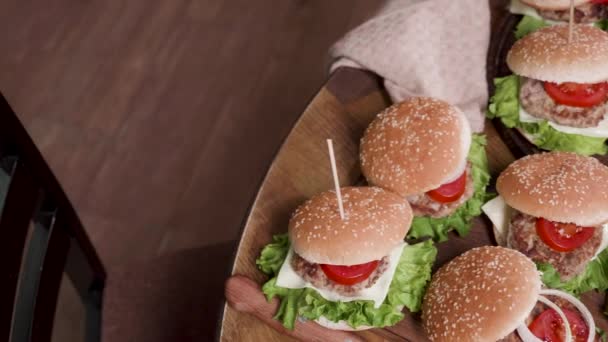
(527, 336)
(560, 313)
(579, 305)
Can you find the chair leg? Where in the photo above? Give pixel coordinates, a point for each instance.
(94, 304)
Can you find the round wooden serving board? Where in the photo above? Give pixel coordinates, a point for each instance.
(341, 110)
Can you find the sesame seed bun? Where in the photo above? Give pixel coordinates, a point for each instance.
(376, 221)
(559, 186)
(481, 295)
(415, 146)
(553, 4)
(545, 55)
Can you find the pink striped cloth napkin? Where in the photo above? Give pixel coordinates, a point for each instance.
(425, 48)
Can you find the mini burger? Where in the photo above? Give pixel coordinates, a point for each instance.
(553, 207)
(495, 294)
(352, 273)
(558, 95)
(423, 150)
(542, 13)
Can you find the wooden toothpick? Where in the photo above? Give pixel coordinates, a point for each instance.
(334, 170)
(571, 24)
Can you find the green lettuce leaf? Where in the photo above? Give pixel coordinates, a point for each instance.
(528, 25)
(407, 289)
(504, 105)
(273, 254)
(460, 220)
(601, 334)
(602, 24)
(595, 276)
(549, 138)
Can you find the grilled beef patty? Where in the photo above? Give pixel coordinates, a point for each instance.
(535, 100)
(423, 205)
(587, 13)
(523, 237)
(314, 274)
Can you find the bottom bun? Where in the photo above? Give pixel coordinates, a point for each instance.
(528, 136)
(501, 239)
(341, 325)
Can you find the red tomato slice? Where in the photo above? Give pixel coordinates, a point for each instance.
(548, 326)
(349, 275)
(450, 192)
(562, 237)
(599, 1)
(577, 94)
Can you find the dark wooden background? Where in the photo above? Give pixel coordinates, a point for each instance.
(159, 118)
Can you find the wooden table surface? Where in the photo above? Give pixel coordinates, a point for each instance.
(160, 118)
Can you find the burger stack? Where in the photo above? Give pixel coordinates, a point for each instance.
(557, 96)
(542, 13)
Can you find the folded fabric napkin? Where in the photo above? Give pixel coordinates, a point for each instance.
(425, 48)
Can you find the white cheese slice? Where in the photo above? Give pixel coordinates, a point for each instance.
(601, 131)
(288, 278)
(500, 214)
(518, 7)
(527, 117)
(604, 243)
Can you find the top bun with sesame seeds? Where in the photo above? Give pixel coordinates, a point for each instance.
(545, 55)
(415, 146)
(558, 186)
(553, 5)
(376, 221)
(481, 295)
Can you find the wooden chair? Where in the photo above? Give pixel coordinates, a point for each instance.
(43, 246)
